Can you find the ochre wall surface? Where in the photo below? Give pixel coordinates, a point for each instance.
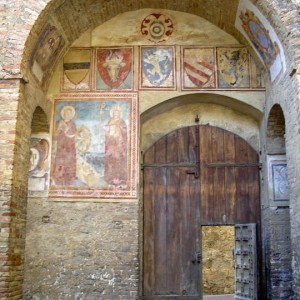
(218, 262)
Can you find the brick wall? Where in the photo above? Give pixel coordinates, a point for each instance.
(81, 250)
(280, 264)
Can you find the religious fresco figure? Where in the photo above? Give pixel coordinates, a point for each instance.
(38, 174)
(115, 160)
(65, 158)
(47, 49)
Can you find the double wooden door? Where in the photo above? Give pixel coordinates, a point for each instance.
(194, 176)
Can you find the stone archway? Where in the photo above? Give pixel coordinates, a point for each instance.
(278, 195)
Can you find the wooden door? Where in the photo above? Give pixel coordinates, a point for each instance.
(193, 176)
(172, 218)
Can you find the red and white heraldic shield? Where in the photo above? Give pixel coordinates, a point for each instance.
(114, 65)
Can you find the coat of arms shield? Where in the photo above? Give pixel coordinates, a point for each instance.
(114, 66)
(157, 67)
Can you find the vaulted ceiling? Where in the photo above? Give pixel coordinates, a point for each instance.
(74, 17)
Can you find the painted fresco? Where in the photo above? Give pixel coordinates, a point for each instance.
(94, 151)
(157, 27)
(257, 76)
(114, 69)
(38, 176)
(198, 65)
(157, 67)
(233, 68)
(76, 70)
(47, 49)
(255, 27)
(278, 180)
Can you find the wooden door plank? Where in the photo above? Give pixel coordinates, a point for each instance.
(161, 150)
(160, 234)
(230, 183)
(172, 147)
(254, 193)
(195, 234)
(183, 144)
(172, 217)
(242, 204)
(149, 155)
(185, 263)
(192, 143)
(219, 210)
(149, 223)
(206, 175)
(173, 232)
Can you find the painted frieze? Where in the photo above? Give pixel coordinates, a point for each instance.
(94, 153)
(114, 69)
(257, 74)
(198, 68)
(38, 176)
(76, 69)
(157, 67)
(47, 49)
(157, 27)
(255, 27)
(233, 67)
(278, 180)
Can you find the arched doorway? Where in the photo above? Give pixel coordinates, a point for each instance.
(279, 225)
(195, 176)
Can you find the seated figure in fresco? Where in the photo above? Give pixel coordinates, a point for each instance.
(115, 160)
(65, 158)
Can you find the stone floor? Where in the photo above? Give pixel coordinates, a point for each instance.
(219, 297)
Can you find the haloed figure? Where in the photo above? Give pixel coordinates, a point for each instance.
(65, 159)
(115, 161)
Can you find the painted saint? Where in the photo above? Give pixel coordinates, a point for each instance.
(47, 49)
(38, 165)
(65, 158)
(115, 160)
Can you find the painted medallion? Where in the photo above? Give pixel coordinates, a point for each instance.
(157, 27)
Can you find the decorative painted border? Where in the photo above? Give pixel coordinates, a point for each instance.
(147, 81)
(72, 193)
(129, 78)
(277, 180)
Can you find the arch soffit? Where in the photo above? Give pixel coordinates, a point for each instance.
(76, 17)
(198, 98)
(276, 107)
(216, 110)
